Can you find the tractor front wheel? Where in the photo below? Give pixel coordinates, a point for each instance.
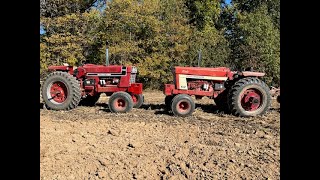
(120, 102)
(138, 100)
(182, 105)
(249, 97)
(61, 91)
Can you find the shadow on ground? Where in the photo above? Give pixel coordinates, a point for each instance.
(158, 108)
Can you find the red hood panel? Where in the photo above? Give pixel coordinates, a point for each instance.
(92, 68)
(202, 71)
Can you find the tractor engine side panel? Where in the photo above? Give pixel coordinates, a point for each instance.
(182, 80)
(96, 81)
(109, 76)
(198, 85)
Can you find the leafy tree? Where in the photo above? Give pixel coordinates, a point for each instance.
(156, 35)
(203, 12)
(55, 8)
(152, 34)
(212, 47)
(72, 38)
(273, 8)
(257, 44)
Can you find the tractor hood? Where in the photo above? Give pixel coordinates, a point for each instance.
(92, 68)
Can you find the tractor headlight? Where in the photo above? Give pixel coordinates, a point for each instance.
(134, 70)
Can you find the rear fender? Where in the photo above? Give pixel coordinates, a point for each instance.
(68, 69)
(250, 73)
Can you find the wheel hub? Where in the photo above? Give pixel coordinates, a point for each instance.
(120, 104)
(254, 100)
(183, 106)
(251, 99)
(57, 92)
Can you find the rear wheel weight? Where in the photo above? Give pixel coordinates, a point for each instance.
(182, 105)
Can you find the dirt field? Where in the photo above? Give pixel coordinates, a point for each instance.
(149, 143)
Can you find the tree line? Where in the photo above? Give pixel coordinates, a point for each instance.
(156, 35)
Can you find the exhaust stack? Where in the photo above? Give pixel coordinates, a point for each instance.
(107, 53)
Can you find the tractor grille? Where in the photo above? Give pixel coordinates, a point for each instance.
(174, 77)
(133, 78)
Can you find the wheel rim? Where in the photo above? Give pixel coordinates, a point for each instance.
(183, 107)
(251, 99)
(119, 104)
(57, 92)
(134, 99)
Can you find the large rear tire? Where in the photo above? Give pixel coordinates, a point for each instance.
(249, 97)
(182, 105)
(120, 102)
(61, 91)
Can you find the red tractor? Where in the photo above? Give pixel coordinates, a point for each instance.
(65, 88)
(239, 93)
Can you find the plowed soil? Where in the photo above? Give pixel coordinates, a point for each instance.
(150, 143)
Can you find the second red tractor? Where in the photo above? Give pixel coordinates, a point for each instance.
(240, 93)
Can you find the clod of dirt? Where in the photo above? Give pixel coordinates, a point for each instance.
(135, 144)
(259, 133)
(114, 132)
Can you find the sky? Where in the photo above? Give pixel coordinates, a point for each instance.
(42, 30)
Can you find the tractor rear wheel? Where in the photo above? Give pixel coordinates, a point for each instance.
(61, 91)
(182, 105)
(138, 100)
(120, 102)
(249, 97)
(168, 101)
(90, 100)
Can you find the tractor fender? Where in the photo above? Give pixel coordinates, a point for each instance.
(60, 68)
(250, 73)
(68, 69)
